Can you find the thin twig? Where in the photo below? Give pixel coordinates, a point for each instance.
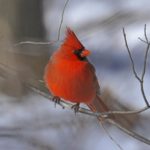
(47, 43)
(144, 96)
(131, 112)
(131, 133)
(145, 34)
(129, 52)
(35, 43)
(142, 40)
(146, 54)
(62, 18)
(111, 138)
(141, 80)
(145, 65)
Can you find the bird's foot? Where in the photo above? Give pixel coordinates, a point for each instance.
(76, 107)
(56, 100)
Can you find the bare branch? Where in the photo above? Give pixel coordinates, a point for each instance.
(131, 112)
(146, 54)
(65, 104)
(143, 93)
(142, 40)
(129, 52)
(104, 116)
(35, 43)
(141, 80)
(62, 18)
(58, 35)
(145, 34)
(111, 138)
(144, 68)
(131, 133)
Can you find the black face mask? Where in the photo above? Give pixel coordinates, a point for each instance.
(78, 52)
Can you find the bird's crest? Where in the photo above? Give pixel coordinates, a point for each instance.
(72, 40)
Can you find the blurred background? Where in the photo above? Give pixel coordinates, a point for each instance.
(28, 121)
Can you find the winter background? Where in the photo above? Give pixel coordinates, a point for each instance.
(28, 121)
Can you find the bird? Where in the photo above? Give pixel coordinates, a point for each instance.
(70, 75)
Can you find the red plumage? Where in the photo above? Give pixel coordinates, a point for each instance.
(70, 77)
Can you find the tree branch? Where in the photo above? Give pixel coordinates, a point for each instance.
(140, 79)
(129, 132)
(58, 35)
(62, 18)
(104, 116)
(66, 104)
(130, 56)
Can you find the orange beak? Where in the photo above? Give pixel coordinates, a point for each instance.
(85, 53)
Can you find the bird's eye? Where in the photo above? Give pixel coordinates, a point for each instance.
(76, 52)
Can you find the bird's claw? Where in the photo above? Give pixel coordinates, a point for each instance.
(76, 107)
(56, 100)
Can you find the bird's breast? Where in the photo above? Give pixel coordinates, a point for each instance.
(72, 81)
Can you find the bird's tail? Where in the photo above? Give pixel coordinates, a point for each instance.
(98, 105)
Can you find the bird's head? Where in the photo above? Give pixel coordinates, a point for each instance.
(73, 48)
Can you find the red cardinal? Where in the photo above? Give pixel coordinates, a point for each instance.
(69, 75)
